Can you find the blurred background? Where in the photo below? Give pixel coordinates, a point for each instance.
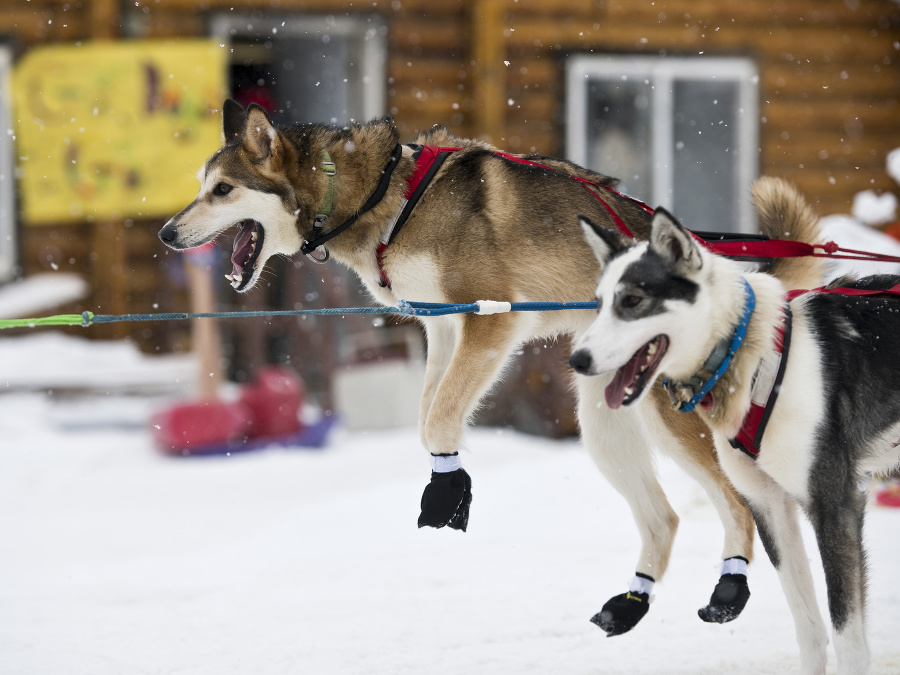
(109, 108)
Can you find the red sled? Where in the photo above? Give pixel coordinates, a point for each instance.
(266, 414)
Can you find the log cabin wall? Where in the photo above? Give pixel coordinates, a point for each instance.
(829, 89)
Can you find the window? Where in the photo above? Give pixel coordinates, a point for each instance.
(7, 203)
(678, 132)
(307, 68)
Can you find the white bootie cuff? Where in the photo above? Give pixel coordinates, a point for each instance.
(445, 463)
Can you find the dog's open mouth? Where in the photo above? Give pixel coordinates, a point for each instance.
(248, 243)
(631, 379)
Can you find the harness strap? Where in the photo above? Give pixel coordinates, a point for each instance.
(765, 391)
(846, 290)
(319, 238)
(623, 228)
(428, 161)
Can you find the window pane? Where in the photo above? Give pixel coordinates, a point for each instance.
(307, 68)
(313, 79)
(705, 158)
(619, 137)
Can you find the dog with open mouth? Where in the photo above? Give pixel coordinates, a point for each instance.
(801, 390)
(453, 220)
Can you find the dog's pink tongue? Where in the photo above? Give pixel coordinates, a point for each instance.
(624, 377)
(242, 249)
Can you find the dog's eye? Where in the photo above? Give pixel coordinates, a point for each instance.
(631, 301)
(221, 189)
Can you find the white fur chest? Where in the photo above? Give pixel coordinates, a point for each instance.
(416, 277)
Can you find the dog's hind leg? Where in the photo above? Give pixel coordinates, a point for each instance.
(775, 513)
(618, 446)
(689, 442)
(837, 517)
(477, 355)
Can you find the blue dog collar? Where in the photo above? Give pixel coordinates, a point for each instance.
(737, 339)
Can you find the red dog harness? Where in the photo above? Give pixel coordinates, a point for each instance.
(764, 392)
(739, 247)
(765, 388)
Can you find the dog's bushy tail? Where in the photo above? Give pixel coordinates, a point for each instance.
(785, 214)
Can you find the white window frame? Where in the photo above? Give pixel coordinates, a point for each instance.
(369, 28)
(662, 73)
(8, 243)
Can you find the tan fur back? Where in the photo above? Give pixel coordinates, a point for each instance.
(785, 214)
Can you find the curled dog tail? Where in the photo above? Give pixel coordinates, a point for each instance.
(785, 214)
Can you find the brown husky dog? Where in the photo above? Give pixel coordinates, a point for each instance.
(476, 224)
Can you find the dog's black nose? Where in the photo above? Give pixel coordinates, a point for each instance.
(168, 234)
(581, 361)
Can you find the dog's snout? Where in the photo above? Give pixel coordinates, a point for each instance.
(581, 361)
(168, 234)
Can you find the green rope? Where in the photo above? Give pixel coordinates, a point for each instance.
(58, 320)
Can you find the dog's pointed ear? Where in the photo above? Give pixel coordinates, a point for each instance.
(234, 120)
(673, 242)
(261, 137)
(603, 242)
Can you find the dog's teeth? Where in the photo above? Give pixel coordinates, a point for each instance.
(629, 391)
(651, 349)
(229, 277)
(254, 236)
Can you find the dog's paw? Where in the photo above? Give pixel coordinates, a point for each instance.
(622, 613)
(728, 599)
(446, 500)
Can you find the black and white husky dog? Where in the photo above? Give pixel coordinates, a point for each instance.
(802, 392)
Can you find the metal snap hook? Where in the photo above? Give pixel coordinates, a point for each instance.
(323, 259)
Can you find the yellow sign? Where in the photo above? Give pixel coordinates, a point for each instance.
(115, 129)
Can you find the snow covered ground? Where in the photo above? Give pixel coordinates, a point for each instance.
(115, 560)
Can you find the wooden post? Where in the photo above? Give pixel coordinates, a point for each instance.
(108, 278)
(106, 21)
(108, 249)
(206, 342)
(486, 69)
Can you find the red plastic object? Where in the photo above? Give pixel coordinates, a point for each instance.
(268, 408)
(189, 425)
(889, 494)
(274, 400)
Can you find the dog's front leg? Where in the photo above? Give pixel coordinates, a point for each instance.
(689, 441)
(617, 443)
(474, 359)
(441, 335)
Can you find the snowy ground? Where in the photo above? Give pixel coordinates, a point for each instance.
(115, 559)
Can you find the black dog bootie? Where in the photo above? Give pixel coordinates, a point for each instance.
(622, 613)
(446, 500)
(728, 599)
